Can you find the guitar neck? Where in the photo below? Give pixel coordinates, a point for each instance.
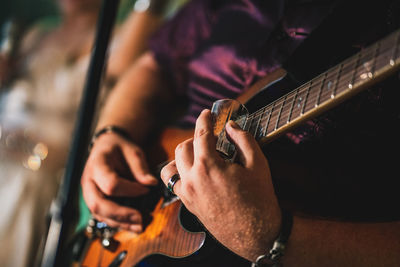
(332, 87)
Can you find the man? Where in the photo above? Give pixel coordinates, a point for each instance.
(243, 204)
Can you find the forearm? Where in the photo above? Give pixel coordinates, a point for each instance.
(137, 99)
(132, 41)
(335, 243)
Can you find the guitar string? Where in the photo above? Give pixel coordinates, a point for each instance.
(349, 62)
(342, 79)
(282, 113)
(325, 96)
(363, 57)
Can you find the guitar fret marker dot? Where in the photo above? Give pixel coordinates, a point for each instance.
(364, 76)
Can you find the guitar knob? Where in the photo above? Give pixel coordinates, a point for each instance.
(108, 242)
(91, 227)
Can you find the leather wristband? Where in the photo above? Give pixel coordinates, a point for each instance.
(109, 129)
(274, 255)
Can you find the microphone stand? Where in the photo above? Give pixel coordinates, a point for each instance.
(62, 209)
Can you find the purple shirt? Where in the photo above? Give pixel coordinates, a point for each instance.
(217, 49)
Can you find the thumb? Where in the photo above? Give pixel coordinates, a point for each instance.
(247, 147)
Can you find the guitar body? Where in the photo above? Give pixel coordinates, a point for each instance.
(165, 234)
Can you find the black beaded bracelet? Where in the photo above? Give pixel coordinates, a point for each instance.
(109, 129)
(274, 255)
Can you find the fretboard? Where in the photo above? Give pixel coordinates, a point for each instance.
(330, 88)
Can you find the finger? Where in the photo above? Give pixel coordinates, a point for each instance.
(137, 163)
(167, 172)
(102, 207)
(136, 228)
(111, 184)
(204, 143)
(247, 147)
(184, 157)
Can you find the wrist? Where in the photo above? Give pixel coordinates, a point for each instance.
(273, 256)
(107, 130)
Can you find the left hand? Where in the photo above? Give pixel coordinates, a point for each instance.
(236, 202)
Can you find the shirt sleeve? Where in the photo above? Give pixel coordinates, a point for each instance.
(176, 41)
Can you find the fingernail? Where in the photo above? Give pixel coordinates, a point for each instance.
(233, 124)
(152, 180)
(136, 228)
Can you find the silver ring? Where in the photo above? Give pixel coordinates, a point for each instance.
(172, 181)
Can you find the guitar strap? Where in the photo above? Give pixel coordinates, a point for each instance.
(339, 36)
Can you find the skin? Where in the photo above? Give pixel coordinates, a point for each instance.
(104, 174)
(210, 186)
(76, 35)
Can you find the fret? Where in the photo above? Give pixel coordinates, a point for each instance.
(246, 125)
(329, 84)
(317, 101)
(229, 149)
(292, 105)
(221, 141)
(299, 103)
(241, 121)
(264, 113)
(375, 58)
(347, 74)
(365, 66)
(314, 88)
(395, 49)
(385, 55)
(280, 112)
(286, 110)
(274, 115)
(333, 94)
(252, 124)
(339, 79)
(305, 100)
(269, 112)
(312, 95)
(354, 71)
(257, 120)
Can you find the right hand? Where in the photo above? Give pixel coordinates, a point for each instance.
(115, 168)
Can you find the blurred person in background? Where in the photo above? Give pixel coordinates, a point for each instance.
(44, 85)
(40, 95)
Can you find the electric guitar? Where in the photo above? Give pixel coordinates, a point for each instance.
(165, 235)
